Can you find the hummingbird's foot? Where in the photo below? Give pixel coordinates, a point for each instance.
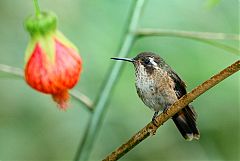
(154, 118)
(166, 108)
(152, 131)
(165, 111)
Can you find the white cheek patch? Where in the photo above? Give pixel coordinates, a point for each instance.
(153, 62)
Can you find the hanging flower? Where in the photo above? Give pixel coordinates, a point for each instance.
(53, 65)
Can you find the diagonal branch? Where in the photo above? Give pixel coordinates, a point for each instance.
(177, 106)
(77, 95)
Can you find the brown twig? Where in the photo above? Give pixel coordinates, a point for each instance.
(177, 106)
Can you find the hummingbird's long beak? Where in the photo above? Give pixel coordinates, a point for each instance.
(124, 59)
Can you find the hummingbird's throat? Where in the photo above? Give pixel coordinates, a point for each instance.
(147, 69)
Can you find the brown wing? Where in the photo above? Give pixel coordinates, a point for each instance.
(185, 120)
(180, 86)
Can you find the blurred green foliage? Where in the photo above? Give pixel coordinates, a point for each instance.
(31, 126)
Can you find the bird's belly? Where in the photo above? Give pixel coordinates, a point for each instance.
(154, 102)
(151, 96)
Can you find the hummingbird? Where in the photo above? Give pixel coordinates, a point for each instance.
(159, 87)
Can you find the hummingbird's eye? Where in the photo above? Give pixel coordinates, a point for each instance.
(146, 61)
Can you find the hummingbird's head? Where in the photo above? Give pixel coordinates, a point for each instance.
(147, 61)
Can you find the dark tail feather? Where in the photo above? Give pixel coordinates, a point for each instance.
(185, 120)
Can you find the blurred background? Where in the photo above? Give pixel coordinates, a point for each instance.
(31, 126)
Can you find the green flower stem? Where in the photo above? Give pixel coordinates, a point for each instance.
(37, 8)
(94, 126)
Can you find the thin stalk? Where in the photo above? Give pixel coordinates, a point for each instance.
(37, 8)
(187, 34)
(91, 132)
(227, 48)
(83, 99)
(11, 70)
(205, 37)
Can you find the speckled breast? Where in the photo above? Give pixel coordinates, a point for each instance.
(156, 89)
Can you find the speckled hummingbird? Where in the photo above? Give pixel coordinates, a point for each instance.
(159, 87)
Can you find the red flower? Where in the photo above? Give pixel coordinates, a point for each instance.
(53, 64)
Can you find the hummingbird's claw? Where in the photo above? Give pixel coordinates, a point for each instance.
(165, 111)
(154, 118)
(154, 123)
(152, 131)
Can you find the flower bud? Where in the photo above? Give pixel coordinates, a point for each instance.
(53, 65)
